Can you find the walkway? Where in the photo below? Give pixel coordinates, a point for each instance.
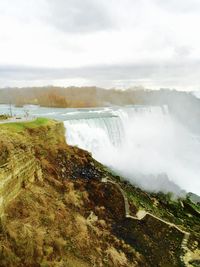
(15, 119)
(141, 214)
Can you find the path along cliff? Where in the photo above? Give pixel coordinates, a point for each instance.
(141, 214)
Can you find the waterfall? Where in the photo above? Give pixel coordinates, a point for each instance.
(98, 133)
(142, 143)
(95, 134)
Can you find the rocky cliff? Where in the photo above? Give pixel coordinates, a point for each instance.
(19, 166)
(59, 207)
(19, 170)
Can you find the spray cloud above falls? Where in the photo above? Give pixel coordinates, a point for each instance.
(146, 145)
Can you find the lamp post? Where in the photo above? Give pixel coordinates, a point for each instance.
(10, 109)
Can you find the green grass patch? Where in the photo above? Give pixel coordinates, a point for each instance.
(21, 126)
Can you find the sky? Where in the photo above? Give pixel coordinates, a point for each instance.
(115, 43)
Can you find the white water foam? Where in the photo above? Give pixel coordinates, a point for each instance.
(144, 144)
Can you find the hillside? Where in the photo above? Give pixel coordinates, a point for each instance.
(60, 207)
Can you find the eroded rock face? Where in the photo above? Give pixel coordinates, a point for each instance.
(20, 169)
(20, 155)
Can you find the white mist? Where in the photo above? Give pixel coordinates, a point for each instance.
(148, 147)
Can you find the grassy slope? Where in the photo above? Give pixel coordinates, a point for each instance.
(21, 126)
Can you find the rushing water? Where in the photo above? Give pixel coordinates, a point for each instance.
(143, 143)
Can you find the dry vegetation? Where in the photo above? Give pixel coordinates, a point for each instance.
(70, 218)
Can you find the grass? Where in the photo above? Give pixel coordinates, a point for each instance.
(20, 126)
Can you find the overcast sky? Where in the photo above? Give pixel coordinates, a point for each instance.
(115, 43)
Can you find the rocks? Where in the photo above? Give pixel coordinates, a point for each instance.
(21, 170)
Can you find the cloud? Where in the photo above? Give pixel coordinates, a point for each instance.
(183, 51)
(178, 75)
(111, 43)
(79, 16)
(179, 6)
